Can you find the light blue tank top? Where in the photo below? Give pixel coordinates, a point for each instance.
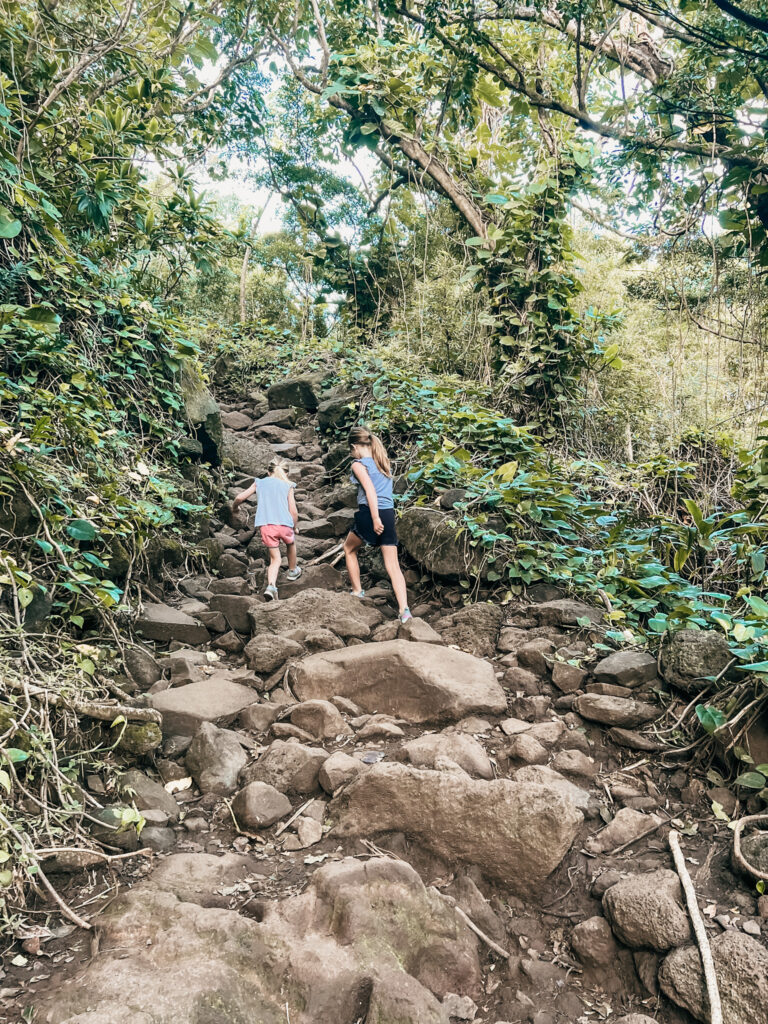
(272, 496)
(381, 484)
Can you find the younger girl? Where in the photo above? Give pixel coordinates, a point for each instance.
(375, 517)
(278, 517)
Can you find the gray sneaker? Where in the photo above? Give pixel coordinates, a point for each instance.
(270, 594)
(293, 574)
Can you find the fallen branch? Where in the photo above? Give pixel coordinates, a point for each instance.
(707, 963)
(480, 934)
(55, 851)
(279, 831)
(90, 708)
(338, 548)
(738, 856)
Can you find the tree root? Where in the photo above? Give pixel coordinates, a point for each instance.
(707, 963)
(738, 856)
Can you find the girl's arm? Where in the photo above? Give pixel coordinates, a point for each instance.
(293, 509)
(370, 492)
(244, 495)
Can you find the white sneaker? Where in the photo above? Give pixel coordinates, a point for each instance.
(270, 594)
(293, 574)
(357, 593)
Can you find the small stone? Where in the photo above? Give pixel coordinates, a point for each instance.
(419, 631)
(521, 680)
(526, 749)
(646, 911)
(536, 655)
(762, 907)
(260, 805)
(310, 831)
(574, 762)
(215, 759)
(628, 824)
(460, 1007)
(752, 928)
(593, 942)
(380, 726)
(514, 726)
(626, 668)
(337, 770)
(608, 689)
(321, 719)
(568, 677)
(617, 711)
(259, 717)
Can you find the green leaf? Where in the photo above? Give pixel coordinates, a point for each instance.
(25, 596)
(6, 877)
(751, 780)
(710, 718)
(9, 226)
(81, 529)
(5, 780)
(756, 666)
(15, 756)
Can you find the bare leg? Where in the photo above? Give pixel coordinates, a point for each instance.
(395, 573)
(274, 566)
(351, 546)
(291, 552)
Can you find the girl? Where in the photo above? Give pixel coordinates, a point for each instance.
(375, 517)
(278, 517)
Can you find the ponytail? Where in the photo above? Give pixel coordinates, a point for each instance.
(361, 435)
(279, 468)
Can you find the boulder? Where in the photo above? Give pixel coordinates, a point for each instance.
(335, 411)
(289, 766)
(259, 805)
(318, 577)
(203, 414)
(216, 699)
(343, 614)
(646, 911)
(267, 653)
(162, 623)
(430, 537)
(620, 711)
(338, 770)
(475, 629)
(320, 719)
(364, 941)
(414, 681)
(463, 750)
(250, 457)
(517, 833)
(303, 391)
(593, 943)
(214, 760)
(626, 668)
(691, 658)
(147, 794)
(276, 418)
(565, 612)
(741, 968)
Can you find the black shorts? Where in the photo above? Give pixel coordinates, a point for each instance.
(363, 526)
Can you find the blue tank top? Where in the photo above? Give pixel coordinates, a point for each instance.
(381, 484)
(272, 495)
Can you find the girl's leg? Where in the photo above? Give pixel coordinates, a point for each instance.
(395, 573)
(290, 550)
(351, 546)
(274, 566)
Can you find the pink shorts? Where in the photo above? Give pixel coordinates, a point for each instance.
(271, 536)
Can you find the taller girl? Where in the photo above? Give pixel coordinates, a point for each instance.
(375, 517)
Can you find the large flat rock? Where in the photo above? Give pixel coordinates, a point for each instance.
(415, 681)
(216, 699)
(515, 832)
(343, 614)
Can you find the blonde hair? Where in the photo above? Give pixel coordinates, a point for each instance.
(362, 435)
(279, 468)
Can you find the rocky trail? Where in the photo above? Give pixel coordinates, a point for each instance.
(362, 822)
